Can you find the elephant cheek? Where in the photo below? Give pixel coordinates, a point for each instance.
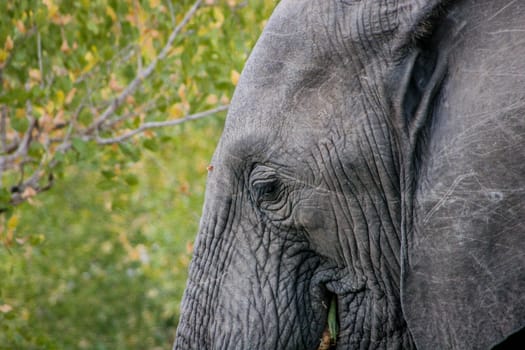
(319, 224)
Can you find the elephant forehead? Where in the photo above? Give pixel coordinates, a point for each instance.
(306, 80)
(277, 115)
(296, 85)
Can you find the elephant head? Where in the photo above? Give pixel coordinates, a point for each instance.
(370, 176)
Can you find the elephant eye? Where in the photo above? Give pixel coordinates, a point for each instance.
(265, 186)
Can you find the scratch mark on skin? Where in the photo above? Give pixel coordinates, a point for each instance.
(507, 31)
(482, 119)
(496, 14)
(447, 195)
(486, 242)
(493, 74)
(487, 271)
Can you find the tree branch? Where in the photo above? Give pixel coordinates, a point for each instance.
(141, 76)
(23, 146)
(153, 125)
(39, 53)
(3, 129)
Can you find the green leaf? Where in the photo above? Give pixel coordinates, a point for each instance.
(79, 145)
(5, 198)
(92, 27)
(333, 325)
(85, 118)
(36, 150)
(131, 152)
(151, 144)
(106, 184)
(19, 124)
(131, 179)
(36, 239)
(108, 174)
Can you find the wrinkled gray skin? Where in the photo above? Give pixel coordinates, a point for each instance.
(374, 152)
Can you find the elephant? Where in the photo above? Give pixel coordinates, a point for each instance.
(368, 189)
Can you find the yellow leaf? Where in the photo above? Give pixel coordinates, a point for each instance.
(182, 92)
(219, 17)
(72, 75)
(65, 47)
(189, 247)
(225, 100)
(111, 13)
(107, 247)
(203, 30)
(149, 134)
(49, 107)
(5, 308)
(60, 97)
(70, 96)
(114, 84)
(12, 223)
(91, 61)
(212, 99)
(155, 34)
(8, 239)
(3, 56)
(61, 20)
(38, 109)
(130, 100)
(177, 50)
(154, 3)
(234, 76)
(20, 113)
(133, 254)
(105, 93)
(35, 75)
(176, 111)
(25, 314)
(148, 50)
(52, 8)
(59, 118)
(8, 45)
(20, 26)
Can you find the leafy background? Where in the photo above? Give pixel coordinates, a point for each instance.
(99, 261)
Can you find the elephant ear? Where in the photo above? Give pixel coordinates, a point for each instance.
(463, 242)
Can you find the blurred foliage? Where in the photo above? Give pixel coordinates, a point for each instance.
(74, 74)
(99, 262)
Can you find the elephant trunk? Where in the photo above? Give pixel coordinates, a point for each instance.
(211, 252)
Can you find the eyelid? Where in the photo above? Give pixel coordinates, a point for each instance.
(264, 181)
(262, 173)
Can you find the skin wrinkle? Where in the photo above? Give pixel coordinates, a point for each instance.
(211, 298)
(229, 248)
(341, 205)
(199, 277)
(328, 26)
(382, 194)
(372, 242)
(355, 225)
(367, 39)
(328, 166)
(338, 229)
(262, 282)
